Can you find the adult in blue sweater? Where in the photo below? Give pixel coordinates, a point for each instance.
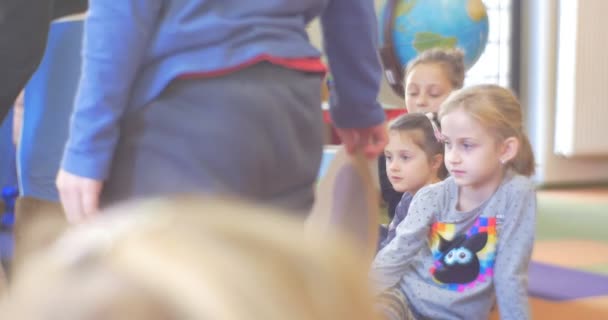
(216, 96)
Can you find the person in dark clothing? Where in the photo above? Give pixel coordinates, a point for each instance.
(24, 25)
(24, 28)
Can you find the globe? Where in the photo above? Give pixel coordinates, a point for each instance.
(425, 24)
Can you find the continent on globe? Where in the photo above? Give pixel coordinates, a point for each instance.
(421, 25)
(428, 40)
(404, 7)
(476, 10)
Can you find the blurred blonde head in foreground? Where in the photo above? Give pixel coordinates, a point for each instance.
(192, 259)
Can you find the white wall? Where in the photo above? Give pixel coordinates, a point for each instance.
(538, 92)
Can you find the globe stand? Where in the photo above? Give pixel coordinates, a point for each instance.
(392, 67)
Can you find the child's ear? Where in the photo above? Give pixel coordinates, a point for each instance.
(436, 162)
(509, 147)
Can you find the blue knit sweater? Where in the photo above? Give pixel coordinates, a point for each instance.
(134, 48)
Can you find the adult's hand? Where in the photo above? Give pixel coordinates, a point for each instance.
(370, 141)
(79, 196)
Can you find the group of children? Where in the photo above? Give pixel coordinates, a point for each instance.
(459, 242)
(462, 233)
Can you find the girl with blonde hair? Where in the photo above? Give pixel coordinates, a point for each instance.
(193, 259)
(467, 241)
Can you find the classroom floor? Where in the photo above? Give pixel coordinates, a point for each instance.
(569, 273)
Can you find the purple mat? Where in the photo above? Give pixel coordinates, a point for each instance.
(556, 283)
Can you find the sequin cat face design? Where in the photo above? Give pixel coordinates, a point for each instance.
(459, 262)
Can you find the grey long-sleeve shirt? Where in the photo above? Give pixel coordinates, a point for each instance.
(455, 265)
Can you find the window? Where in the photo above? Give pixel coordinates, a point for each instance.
(496, 64)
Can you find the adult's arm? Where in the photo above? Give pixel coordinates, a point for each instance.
(350, 41)
(109, 69)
